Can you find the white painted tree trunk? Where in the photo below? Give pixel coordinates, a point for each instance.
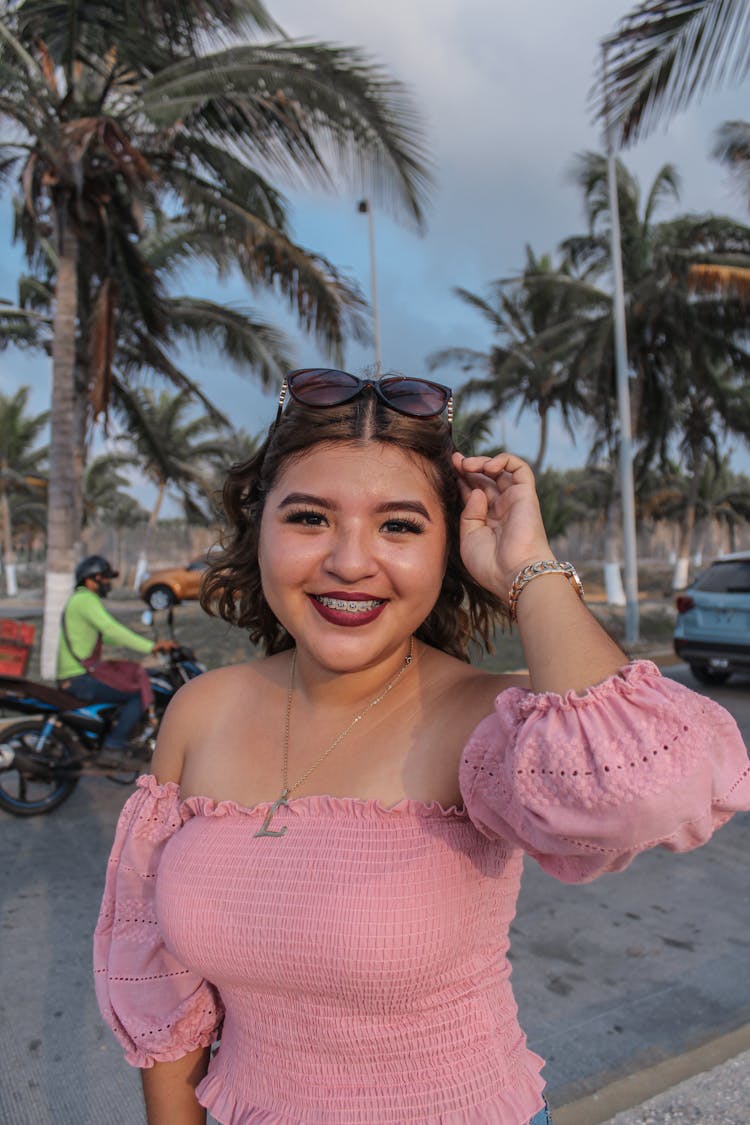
(57, 589)
(11, 585)
(140, 569)
(681, 572)
(61, 499)
(9, 557)
(613, 587)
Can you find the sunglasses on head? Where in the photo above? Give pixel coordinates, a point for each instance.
(324, 386)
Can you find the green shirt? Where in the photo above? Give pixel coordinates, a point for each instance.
(85, 619)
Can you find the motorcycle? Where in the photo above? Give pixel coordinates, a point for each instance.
(43, 758)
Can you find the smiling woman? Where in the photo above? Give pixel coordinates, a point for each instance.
(325, 863)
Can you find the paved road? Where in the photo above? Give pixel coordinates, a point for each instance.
(610, 977)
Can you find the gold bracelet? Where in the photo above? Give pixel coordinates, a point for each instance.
(535, 570)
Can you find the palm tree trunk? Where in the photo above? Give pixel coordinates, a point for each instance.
(613, 587)
(543, 435)
(142, 564)
(682, 562)
(9, 558)
(80, 451)
(62, 507)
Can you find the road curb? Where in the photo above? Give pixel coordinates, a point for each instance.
(630, 1092)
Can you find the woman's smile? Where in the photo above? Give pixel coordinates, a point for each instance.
(348, 609)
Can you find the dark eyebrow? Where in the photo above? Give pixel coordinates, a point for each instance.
(404, 506)
(306, 498)
(415, 506)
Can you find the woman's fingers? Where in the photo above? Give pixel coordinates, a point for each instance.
(503, 465)
(474, 515)
(498, 478)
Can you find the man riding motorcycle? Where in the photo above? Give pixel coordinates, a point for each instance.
(86, 624)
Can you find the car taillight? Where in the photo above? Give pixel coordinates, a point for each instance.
(684, 602)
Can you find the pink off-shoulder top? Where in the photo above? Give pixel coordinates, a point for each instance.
(356, 968)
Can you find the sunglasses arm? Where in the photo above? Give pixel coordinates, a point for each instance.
(282, 397)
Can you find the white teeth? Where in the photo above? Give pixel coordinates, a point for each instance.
(347, 606)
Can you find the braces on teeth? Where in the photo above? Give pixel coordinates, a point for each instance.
(348, 607)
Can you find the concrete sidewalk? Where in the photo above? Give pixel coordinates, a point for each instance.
(720, 1096)
(710, 1085)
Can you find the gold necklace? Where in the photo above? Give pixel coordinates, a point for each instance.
(286, 788)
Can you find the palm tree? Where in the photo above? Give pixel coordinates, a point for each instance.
(22, 464)
(104, 484)
(722, 496)
(664, 53)
(175, 452)
(687, 350)
(530, 321)
(123, 112)
(242, 339)
(105, 501)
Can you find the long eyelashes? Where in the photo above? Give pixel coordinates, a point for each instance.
(311, 517)
(404, 525)
(306, 516)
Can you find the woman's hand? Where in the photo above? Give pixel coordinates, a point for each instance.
(501, 524)
(501, 532)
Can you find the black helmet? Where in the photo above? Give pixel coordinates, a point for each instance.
(92, 567)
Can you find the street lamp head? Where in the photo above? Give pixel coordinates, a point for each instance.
(363, 206)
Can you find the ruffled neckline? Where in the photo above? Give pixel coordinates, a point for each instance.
(322, 804)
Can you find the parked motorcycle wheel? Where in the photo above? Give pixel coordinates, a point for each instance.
(29, 782)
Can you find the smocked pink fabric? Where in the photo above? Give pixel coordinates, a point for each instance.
(362, 957)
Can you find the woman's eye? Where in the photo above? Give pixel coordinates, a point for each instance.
(306, 519)
(403, 527)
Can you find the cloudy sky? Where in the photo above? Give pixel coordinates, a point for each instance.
(503, 91)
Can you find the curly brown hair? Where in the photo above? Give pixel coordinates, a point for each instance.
(232, 588)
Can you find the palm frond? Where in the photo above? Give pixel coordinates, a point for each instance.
(663, 54)
(722, 280)
(144, 353)
(466, 359)
(248, 343)
(732, 147)
(297, 106)
(666, 185)
(147, 33)
(22, 327)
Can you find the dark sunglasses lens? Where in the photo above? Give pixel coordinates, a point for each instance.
(320, 386)
(416, 397)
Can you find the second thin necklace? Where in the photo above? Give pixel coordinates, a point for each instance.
(286, 788)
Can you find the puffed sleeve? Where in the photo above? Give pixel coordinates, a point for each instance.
(158, 1009)
(585, 783)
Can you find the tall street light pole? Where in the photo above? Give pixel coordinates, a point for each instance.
(365, 208)
(627, 490)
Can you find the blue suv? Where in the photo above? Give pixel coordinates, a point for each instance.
(713, 620)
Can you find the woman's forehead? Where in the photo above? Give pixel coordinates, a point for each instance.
(358, 467)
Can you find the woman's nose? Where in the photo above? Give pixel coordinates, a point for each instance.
(351, 556)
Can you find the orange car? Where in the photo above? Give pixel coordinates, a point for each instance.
(174, 584)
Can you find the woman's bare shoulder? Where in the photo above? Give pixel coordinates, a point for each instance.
(463, 693)
(478, 682)
(212, 700)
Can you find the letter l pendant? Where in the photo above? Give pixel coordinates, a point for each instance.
(265, 830)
